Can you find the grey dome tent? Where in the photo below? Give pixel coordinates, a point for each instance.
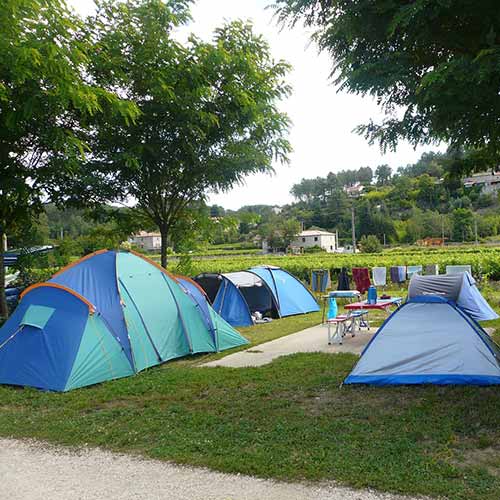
(270, 290)
(460, 288)
(428, 340)
(236, 296)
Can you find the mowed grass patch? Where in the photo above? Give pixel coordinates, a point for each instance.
(288, 420)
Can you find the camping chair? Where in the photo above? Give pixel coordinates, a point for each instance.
(347, 323)
(359, 319)
(340, 323)
(333, 318)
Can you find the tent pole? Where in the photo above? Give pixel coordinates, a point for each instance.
(183, 324)
(11, 337)
(142, 320)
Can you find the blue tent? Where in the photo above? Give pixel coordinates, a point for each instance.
(290, 294)
(271, 291)
(428, 340)
(109, 315)
(236, 296)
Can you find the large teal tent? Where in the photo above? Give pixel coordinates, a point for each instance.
(109, 315)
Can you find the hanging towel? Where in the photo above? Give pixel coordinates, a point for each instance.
(320, 280)
(361, 276)
(458, 269)
(402, 274)
(398, 274)
(344, 283)
(411, 270)
(379, 275)
(431, 269)
(394, 274)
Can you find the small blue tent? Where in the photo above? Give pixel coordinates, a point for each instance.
(236, 296)
(428, 340)
(109, 315)
(271, 291)
(290, 294)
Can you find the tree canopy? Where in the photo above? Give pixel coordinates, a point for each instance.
(433, 67)
(209, 113)
(47, 104)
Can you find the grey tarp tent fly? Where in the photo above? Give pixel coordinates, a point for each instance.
(428, 340)
(459, 288)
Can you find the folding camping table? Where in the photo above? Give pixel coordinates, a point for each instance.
(344, 323)
(381, 305)
(339, 294)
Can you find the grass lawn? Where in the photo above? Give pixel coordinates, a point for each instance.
(288, 420)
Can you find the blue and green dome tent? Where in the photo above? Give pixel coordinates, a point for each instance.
(109, 315)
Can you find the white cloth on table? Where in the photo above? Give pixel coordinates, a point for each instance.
(379, 275)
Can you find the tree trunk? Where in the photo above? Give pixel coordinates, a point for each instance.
(163, 252)
(4, 310)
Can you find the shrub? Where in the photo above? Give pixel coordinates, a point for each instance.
(370, 244)
(314, 249)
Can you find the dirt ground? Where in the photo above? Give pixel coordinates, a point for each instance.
(35, 471)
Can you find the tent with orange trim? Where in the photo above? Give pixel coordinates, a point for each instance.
(106, 316)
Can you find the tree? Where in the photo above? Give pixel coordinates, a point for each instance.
(364, 175)
(248, 221)
(438, 61)
(463, 224)
(370, 244)
(47, 104)
(280, 232)
(428, 192)
(209, 113)
(383, 174)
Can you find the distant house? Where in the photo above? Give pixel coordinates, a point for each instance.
(315, 238)
(355, 190)
(487, 181)
(147, 241)
(431, 242)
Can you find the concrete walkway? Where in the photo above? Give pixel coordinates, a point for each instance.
(35, 471)
(314, 339)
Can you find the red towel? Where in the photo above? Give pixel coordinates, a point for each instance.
(361, 276)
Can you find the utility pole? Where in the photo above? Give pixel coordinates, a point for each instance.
(353, 228)
(475, 230)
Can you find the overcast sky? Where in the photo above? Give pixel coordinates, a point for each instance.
(322, 118)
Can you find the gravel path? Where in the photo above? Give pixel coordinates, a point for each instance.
(35, 471)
